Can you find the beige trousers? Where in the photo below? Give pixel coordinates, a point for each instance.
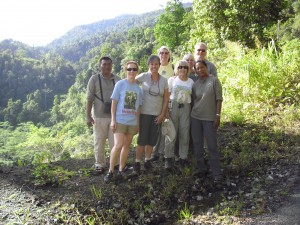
(102, 132)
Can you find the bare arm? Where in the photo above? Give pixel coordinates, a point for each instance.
(113, 123)
(138, 118)
(89, 119)
(160, 118)
(218, 114)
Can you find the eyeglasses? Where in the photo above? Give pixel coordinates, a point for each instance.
(164, 53)
(132, 69)
(154, 89)
(182, 67)
(201, 50)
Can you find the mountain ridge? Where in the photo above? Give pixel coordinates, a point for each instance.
(120, 23)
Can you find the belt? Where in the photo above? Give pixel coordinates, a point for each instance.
(180, 105)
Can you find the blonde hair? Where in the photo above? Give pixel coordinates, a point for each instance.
(131, 62)
(188, 56)
(166, 48)
(181, 63)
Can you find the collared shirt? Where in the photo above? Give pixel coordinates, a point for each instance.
(93, 88)
(205, 94)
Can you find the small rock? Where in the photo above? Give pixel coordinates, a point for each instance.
(250, 195)
(199, 198)
(262, 193)
(117, 205)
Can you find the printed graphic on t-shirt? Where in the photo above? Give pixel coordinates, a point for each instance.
(130, 100)
(181, 94)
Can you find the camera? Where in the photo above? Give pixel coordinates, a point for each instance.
(107, 107)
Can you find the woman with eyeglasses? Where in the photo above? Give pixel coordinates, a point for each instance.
(153, 111)
(166, 69)
(125, 111)
(205, 120)
(194, 76)
(180, 90)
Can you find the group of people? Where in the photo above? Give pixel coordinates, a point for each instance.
(189, 94)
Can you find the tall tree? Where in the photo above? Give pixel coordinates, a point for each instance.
(237, 20)
(169, 29)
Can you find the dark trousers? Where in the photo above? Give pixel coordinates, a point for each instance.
(201, 129)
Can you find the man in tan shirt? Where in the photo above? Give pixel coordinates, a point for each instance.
(99, 90)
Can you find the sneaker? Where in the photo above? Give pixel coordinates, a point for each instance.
(108, 177)
(147, 165)
(99, 170)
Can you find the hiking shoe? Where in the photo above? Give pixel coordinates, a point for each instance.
(147, 165)
(108, 177)
(99, 170)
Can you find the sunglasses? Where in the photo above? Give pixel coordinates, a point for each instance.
(132, 69)
(201, 50)
(182, 67)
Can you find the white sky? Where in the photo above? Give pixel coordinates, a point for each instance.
(38, 22)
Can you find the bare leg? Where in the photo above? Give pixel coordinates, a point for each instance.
(125, 151)
(116, 150)
(139, 153)
(148, 152)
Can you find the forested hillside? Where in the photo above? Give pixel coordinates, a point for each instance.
(31, 77)
(75, 43)
(254, 44)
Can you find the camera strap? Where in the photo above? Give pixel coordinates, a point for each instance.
(101, 92)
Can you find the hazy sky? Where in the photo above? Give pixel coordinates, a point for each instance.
(38, 22)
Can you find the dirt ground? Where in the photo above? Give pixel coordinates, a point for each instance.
(154, 197)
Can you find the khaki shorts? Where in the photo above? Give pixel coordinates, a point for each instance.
(126, 129)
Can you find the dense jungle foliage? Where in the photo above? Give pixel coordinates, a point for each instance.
(254, 44)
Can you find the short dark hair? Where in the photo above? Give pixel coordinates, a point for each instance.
(200, 61)
(104, 58)
(152, 58)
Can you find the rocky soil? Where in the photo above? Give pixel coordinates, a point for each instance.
(154, 197)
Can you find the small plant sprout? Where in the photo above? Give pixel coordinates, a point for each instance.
(185, 213)
(97, 193)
